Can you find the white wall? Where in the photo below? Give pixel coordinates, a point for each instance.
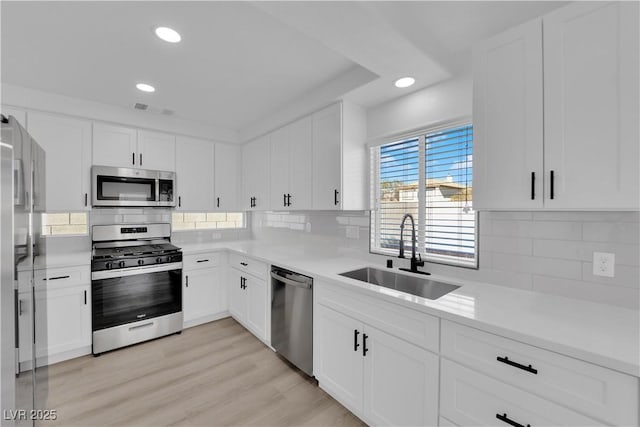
(430, 106)
(49, 102)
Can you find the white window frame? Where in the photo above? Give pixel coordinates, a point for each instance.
(374, 185)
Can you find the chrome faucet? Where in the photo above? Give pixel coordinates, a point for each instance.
(415, 262)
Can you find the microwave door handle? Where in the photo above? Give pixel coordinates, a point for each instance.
(157, 202)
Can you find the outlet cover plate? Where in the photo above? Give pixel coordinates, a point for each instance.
(604, 264)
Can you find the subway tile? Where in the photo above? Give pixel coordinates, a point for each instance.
(57, 219)
(586, 216)
(619, 232)
(46, 230)
(216, 216)
(206, 225)
(177, 217)
(342, 220)
(511, 228)
(605, 294)
(78, 218)
(234, 216)
(510, 215)
(68, 229)
(625, 275)
(626, 254)
(511, 279)
(528, 264)
(563, 230)
(509, 245)
(195, 217)
(180, 226)
(297, 227)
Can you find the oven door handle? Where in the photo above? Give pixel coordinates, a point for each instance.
(287, 281)
(113, 274)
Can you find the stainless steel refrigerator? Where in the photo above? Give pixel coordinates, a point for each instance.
(23, 319)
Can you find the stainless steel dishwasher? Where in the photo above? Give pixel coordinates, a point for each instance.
(292, 317)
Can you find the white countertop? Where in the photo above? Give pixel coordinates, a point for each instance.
(601, 334)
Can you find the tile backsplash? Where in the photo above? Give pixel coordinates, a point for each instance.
(549, 252)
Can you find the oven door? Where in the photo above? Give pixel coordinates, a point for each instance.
(126, 296)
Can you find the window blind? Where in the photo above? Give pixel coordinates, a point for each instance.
(430, 177)
(450, 222)
(397, 192)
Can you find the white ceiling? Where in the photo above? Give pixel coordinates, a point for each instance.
(240, 63)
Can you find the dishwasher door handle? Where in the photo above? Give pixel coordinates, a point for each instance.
(287, 281)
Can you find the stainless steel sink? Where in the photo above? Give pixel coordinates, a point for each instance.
(425, 288)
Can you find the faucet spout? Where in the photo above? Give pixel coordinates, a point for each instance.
(415, 262)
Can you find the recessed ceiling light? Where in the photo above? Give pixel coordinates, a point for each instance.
(405, 82)
(145, 87)
(168, 34)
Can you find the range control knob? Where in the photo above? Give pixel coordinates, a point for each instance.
(140, 262)
(108, 266)
(158, 260)
(121, 264)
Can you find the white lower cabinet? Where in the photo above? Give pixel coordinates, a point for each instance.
(204, 292)
(471, 398)
(249, 297)
(63, 316)
(381, 378)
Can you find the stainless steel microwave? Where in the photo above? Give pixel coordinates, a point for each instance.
(124, 187)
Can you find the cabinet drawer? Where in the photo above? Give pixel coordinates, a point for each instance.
(249, 265)
(201, 261)
(415, 327)
(471, 398)
(601, 393)
(58, 278)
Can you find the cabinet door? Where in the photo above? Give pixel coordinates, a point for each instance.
(67, 143)
(591, 105)
(255, 174)
(68, 325)
(327, 159)
(194, 174)
(279, 160)
(237, 296)
(203, 294)
(507, 120)
(256, 290)
(300, 164)
(227, 176)
(338, 362)
(156, 151)
(400, 382)
(114, 146)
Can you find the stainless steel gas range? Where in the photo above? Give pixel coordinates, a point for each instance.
(136, 285)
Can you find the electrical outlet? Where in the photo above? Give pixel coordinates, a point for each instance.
(604, 264)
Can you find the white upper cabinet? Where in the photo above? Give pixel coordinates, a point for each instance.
(291, 162)
(67, 143)
(339, 158)
(20, 115)
(114, 146)
(121, 146)
(591, 106)
(255, 174)
(156, 151)
(584, 154)
(227, 173)
(507, 120)
(194, 174)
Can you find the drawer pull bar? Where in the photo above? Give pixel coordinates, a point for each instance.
(355, 340)
(202, 260)
(58, 278)
(506, 419)
(244, 264)
(517, 365)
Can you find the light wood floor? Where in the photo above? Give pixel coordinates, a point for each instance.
(216, 374)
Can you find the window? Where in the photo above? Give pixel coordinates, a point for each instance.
(430, 177)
